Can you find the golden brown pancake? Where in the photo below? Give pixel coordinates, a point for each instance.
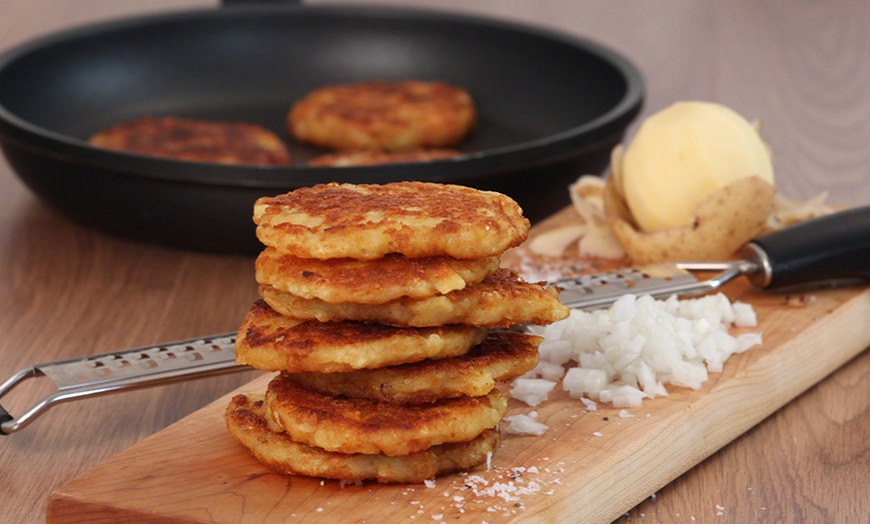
(244, 419)
(504, 355)
(501, 299)
(364, 426)
(383, 115)
(273, 342)
(368, 221)
(374, 158)
(369, 281)
(196, 140)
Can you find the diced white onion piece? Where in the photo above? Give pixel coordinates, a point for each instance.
(532, 391)
(525, 425)
(633, 349)
(584, 381)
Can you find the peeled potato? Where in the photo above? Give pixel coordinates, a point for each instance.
(724, 222)
(683, 154)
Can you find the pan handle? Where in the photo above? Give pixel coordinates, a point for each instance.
(833, 247)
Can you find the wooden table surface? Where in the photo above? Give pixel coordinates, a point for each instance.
(801, 67)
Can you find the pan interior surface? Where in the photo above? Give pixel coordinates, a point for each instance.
(541, 97)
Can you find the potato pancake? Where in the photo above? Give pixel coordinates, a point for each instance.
(383, 115)
(368, 221)
(272, 342)
(345, 425)
(374, 158)
(369, 281)
(196, 140)
(244, 419)
(503, 356)
(501, 299)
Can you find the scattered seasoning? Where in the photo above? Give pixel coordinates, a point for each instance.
(504, 492)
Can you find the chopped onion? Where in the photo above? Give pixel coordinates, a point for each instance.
(532, 391)
(584, 381)
(526, 425)
(628, 352)
(590, 404)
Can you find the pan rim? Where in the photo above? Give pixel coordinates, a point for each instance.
(566, 143)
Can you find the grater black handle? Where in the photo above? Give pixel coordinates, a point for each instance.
(833, 247)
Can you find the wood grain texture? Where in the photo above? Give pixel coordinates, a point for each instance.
(593, 466)
(801, 67)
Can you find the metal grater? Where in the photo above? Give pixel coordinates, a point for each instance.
(202, 357)
(659, 280)
(123, 370)
(833, 247)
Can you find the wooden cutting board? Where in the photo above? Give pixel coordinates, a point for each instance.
(591, 466)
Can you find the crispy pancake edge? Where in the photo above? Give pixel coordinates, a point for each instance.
(368, 221)
(372, 281)
(503, 356)
(380, 115)
(195, 140)
(270, 341)
(245, 422)
(502, 299)
(363, 426)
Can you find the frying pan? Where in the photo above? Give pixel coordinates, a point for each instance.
(550, 108)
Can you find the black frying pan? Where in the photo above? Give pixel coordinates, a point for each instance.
(550, 108)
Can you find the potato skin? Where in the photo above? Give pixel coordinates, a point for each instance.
(724, 222)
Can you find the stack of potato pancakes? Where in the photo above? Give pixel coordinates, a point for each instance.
(386, 312)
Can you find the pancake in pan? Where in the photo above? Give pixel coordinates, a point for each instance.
(503, 356)
(196, 140)
(374, 158)
(244, 419)
(368, 221)
(383, 115)
(346, 425)
(272, 342)
(369, 282)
